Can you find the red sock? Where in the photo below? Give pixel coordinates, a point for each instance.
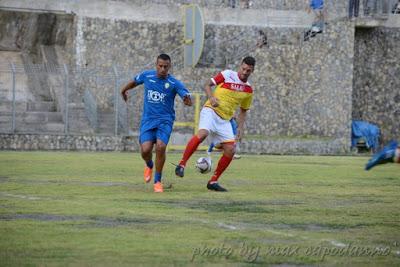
(223, 163)
(190, 149)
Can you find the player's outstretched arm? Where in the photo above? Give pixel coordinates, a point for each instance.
(126, 88)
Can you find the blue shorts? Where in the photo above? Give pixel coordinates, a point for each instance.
(317, 4)
(151, 130)
(234, 126)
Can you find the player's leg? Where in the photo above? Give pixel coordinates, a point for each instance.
(237, 151)
(234, 129)
(146, 140)
(160, 161)
(390, 153)
(191, 147)
(223, 163)
(210, 148)
(163, 134)
(205, 125)
(223, 135)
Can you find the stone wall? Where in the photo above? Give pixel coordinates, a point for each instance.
(337, 8)
(67, 142)
(117, 143)
(301, 88)
(305, 89)
(376, 95)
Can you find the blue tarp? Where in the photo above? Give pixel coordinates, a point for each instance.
(369, 132)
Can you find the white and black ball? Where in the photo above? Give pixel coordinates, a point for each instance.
(203, 165)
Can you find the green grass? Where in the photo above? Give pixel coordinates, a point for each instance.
(75, 209)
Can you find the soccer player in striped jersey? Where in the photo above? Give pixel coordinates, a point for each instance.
(232, 91)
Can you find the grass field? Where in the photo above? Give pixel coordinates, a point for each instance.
(80, 209)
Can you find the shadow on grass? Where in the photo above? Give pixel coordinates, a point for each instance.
(89, 221)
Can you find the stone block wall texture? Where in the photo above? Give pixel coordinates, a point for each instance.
(376, 94)
(305, 89)
(301, 88)
(123, 143)
(336, 8)
(67, 142)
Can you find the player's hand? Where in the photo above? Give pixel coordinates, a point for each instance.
(124, 95)
(214, 101)
(187, 100)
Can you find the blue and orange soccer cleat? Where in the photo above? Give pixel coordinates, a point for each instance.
(158, 187)
(147, 174)
(384, 156)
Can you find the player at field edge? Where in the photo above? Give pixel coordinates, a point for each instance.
(232, 91)
(389, 154)
(160, 89)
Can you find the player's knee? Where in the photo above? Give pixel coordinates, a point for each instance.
(160, 147)
(202, 134)
(229, 149)
(146, 148)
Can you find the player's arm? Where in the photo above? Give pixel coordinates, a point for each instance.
(308, 7)
(184, 93)
(209, 92)
(187, 100)
(124, 92)
(241, 118)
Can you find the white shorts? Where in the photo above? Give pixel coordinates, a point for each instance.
(220, 130)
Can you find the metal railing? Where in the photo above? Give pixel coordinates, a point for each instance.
(69, 90)
(85, 100)
(379, 7)
(91, 108)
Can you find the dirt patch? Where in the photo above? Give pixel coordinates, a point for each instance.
(83, 221)
(228, 206)
(60, 182)
(4, 179)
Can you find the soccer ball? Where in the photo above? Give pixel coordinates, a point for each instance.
(203, 165)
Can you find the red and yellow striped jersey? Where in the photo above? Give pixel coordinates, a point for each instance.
(231, 93)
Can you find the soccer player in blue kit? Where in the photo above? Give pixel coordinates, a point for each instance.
(160, 89)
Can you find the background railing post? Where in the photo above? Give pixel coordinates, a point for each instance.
(116, 98)
(66, 94)
(13, 97)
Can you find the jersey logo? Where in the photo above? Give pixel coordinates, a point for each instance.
(166, 85)
(155, 96)
(237, 87)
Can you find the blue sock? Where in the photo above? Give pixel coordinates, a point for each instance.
(210, 148)
(157, 177)
(150, 164)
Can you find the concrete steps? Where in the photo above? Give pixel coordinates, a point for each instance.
(39, 117)
(106, 122)
(77, 119)
(31, 117)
